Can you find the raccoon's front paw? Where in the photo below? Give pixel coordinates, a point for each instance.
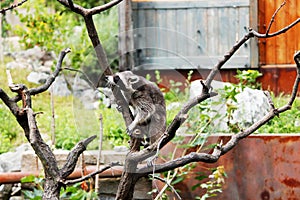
(119, 108)
(129, 129)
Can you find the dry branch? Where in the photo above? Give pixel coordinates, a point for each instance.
(13, 6)
(73, 156)
(25, 116)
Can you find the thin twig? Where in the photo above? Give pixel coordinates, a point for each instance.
(52, 118)
(9, 78)
(50, 79)
(4, 10)
(268, 95)
(170, 186)
(99, 152)
(273, 17)
(69, 182)
(91, 84)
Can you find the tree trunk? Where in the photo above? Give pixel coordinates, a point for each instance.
(51, 189)
(128, 181)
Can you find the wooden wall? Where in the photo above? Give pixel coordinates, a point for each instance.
(278, 50)
(190, 34)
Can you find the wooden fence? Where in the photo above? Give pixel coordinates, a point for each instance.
(279, 50)
(190, 34)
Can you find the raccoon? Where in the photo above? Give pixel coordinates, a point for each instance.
(147, 102)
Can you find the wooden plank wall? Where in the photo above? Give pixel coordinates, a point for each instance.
(278, 50)
(190, 34)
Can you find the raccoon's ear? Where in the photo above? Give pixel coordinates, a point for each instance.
(133, 79)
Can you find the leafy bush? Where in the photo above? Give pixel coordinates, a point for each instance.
(54, 29)
(248, 78)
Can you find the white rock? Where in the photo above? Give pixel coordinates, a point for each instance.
(37, 77)
(252, 106)
(11, 161)
(60, 87)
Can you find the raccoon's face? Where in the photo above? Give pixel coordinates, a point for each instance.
(127, 81)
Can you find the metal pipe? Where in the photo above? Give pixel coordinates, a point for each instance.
(15, 177)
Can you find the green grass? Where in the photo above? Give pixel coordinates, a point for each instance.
(72, 122)
(287, 122)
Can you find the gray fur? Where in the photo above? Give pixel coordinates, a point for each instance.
(147, 101)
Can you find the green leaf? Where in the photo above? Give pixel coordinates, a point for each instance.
(178, 180)
(28, 179)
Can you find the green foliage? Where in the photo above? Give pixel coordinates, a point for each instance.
(37, 192)
(287, 122)
(5, 25)
(248, 78)
(91, 3)
(114, 127)
(214, 185)
(6, 3)
(53, 29)
(42, 26)
(74, 192)
(8, 131)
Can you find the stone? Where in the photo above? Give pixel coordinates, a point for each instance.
(88, 96)
(11, 44)
(60, 87)
(252, 105)
(30, 161)
(35, 53)
(18, 65)
(37, 77)
(120, 149)
(11, 161)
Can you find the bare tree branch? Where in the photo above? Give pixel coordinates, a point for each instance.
(281, 31)
(50, 79)
(169, 185)
(74, 7)
(99, 9)
(26, 119)
(73, 156)
(232, 51)
(180, 162)
(273, 17)
(88, 12)
(42, 150)
(12, 105)
(103, 169)
(53, 76)
(4, 10)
